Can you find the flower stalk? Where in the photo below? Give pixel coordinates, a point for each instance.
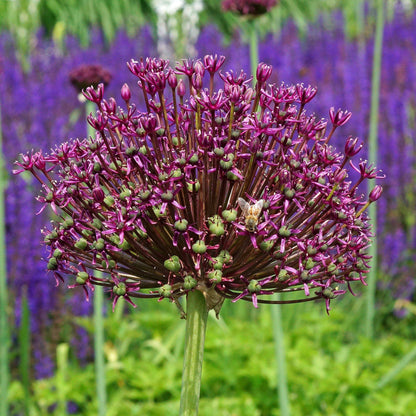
(196, 322)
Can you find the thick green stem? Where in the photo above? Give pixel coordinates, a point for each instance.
(278, 334)
(4, 326)
(373, 148)
(196, 323)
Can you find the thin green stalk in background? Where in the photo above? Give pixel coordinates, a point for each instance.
(196, 323)
(254, 49)
(278, 334)
(282, 386)
(24, 351)
(98, 321)
(61, 377)
(4, 326)
(372, 157)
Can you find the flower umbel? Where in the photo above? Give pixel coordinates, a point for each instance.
(234, 192)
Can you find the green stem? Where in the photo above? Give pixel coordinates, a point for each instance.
(4, 326)
(372, 156)
(254, 50)
(98, 320)
(282, 386)
(196, 323)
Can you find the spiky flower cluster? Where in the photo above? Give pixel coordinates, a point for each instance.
(248, 7)
(154, 200)
(87, 75)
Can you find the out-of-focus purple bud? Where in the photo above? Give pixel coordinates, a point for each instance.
(172, 80)
(263, 72)
(125, 93)
(351, 148)
(181, 88)
(375, 193)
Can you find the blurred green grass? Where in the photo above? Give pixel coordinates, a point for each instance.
(332, 368)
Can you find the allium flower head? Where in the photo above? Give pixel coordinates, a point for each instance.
(85, 76)
(235, 192)
(248, 7)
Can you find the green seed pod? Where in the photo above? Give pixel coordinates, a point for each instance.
(189, 282)
(266, 245)
(165, 291)
(278, 254)
(181, 225)
(215, 219)
(199, 247)
(86, 233)
(177, 173)
(52, 264)
(120, 289)
(125, 194)
(311, 250)
(109, 200)
(289, 193)
(217, 229)
(284, 231)
(193, 187)
(144, 195)
(283, 275)
(226, 165)
(99, 244)
(97, 224)
(309, 264)
(329, 293)
(131, 151)
(254, 286)
(229, 215)
(216, 263)
(231, 176)
(219, 151)
(82, 277)
(305, 277)
(67, 223)
(173, 264)
(81, 244)
(225, 256)
(124, 245)
(194, 159)
(167, 196)
(215, 276)
(331, 267)
(97, 167)
(57, 253)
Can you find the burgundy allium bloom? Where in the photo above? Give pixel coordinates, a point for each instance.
(248, 7)
(234, 192)
(85, 76)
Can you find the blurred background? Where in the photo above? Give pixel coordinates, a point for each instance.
(334, 365)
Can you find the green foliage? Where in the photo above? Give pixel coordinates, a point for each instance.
(331, 368)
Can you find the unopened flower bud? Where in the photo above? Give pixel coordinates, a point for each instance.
(81, 244)
(125, 92)
(375, 193)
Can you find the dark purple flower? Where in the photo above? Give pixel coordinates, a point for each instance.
(248, 7)
(85, 76)
(225, 194)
